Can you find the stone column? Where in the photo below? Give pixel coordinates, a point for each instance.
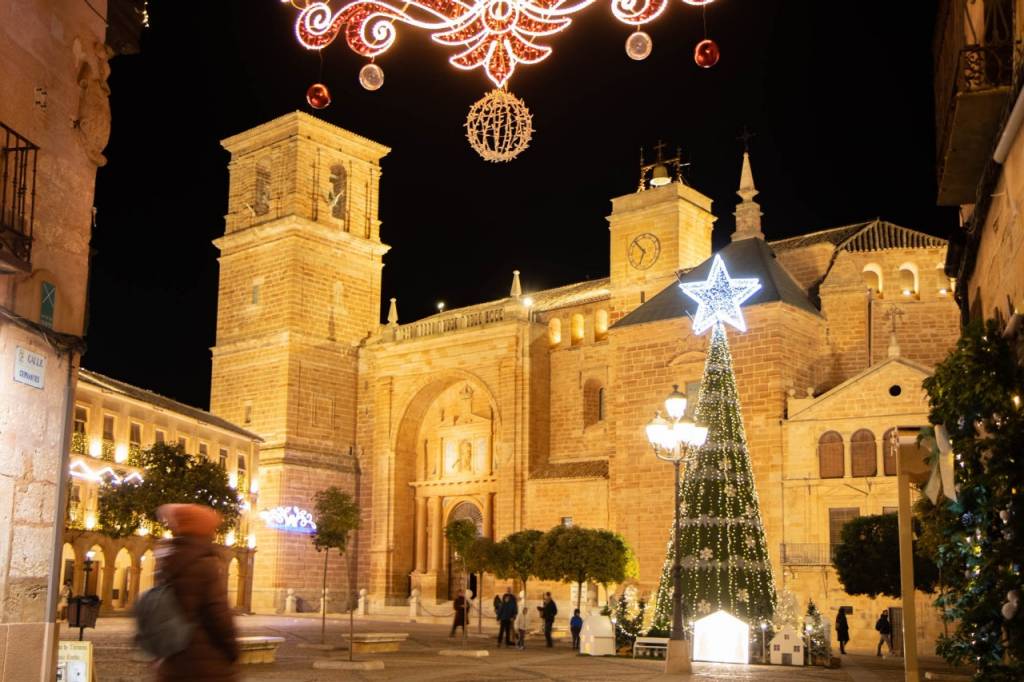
(421, 535)
(488, 515)
(106, 586)
(435, 534)
(134, 583)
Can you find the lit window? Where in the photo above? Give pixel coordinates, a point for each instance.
(81, 419)
(183, 442)
(223, 458)
(204, 450)
(108, 427)
(159, 436)
(567, 521)
(135, 433)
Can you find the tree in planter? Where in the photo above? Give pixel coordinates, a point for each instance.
(515, 556)
(975, 395)
(867, 562)
(580, 555)
(170, 475)
(336, 516)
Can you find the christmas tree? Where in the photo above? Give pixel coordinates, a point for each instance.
(817, 635)
(724, 554)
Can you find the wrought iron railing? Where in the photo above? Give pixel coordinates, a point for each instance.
(807, 554)
(442, 324)
(17, 197)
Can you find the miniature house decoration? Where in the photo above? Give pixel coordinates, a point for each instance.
(721, 638)
(787, 648)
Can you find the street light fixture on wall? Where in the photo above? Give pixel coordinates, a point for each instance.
(676, 440)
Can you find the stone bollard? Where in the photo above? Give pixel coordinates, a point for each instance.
(289, 601)
(363, 607)
(323, 601)
(414, 605)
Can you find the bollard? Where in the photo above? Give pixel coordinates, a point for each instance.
(363, 607)
(289, 601)
(414, 605)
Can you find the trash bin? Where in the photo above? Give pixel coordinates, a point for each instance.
(83, 611)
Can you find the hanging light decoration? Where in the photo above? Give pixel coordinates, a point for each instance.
(499, 126)
(494, 36)
(706, 53)
(318, 96)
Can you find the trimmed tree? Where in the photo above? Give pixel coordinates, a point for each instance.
(462, 535)
(867, 562)
(336, 516)
(515, 556)
(170, 476)
(580, 555)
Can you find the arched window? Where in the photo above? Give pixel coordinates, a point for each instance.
(555, 331)
(863, 454)
(601, 325)
(577, 329)
(336, 193)
(830, 455)
(593, 402)
(872, 275)
(890, 448)
(909, 281)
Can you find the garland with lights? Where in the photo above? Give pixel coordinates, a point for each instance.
(977, 532)
(495, 36)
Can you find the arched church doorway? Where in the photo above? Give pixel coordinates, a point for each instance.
(457, 578)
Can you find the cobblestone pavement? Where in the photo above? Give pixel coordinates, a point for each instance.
(118, 661)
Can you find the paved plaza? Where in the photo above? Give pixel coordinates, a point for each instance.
(118, 661)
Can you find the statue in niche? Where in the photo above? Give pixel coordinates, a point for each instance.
(92, 121)
(464, 460)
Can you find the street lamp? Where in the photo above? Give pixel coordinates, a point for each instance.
(676, 440)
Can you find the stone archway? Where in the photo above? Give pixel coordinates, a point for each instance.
(443, 451)
(147, 569)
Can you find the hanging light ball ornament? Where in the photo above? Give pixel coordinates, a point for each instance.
(706, 53)
(499, 126)
(318, 96)
(371, 77)
(639, 46)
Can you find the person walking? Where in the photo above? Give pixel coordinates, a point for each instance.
(521, 629)
(884, 631)
(548, 611)
(459, 620)
(509, 609)
(190, 565)
(575, 626)
(497, 607)
(842, 630)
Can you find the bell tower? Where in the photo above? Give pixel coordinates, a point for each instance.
(663, 227)
(300, 276)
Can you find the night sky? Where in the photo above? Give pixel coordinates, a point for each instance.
(838, 94)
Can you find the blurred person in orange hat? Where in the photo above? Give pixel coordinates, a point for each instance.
(191, 566)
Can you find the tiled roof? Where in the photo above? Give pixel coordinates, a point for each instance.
(872, 235)
(141, 394)
(591, 469)
(743, 258)
(572, 294)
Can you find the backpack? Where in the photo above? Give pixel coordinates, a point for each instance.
(162, 628)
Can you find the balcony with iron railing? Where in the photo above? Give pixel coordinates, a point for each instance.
(807, 554)
(977, 58)
(17, 201)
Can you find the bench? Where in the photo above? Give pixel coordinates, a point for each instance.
(257, 649)
(377, 642)
(650, 647)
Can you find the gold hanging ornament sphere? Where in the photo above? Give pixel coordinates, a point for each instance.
(499, 126)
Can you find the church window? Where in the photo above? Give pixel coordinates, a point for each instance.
(593, 402)
(909, 280)
(204, 450)
(830, 455)
(601, 325)
(183, 442)
(81, 419)
(567, 521)
(555, 331)
(261, 198)
(222, 458)
(873, 278)
(863, 454)
(837, 518)
(47, 303)
(336, 194)
(890, 448)
(577, 329)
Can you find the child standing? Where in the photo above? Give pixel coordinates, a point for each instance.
(521, 630)
(575, 626)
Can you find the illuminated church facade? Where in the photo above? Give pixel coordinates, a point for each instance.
(528, 411)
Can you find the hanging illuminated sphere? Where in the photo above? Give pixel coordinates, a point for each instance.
(706, 53)
(499, 126)
(371, 77)
(318, 96)
(639, 46)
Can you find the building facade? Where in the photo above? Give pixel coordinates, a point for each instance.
(113, 423)
(528, 411)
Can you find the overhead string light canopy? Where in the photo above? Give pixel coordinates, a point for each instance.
(492, 35)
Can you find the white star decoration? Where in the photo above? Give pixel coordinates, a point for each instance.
(706, 554)
(719, 297)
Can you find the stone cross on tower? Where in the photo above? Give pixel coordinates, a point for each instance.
(893, 312)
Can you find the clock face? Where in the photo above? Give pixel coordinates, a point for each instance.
(643, 251)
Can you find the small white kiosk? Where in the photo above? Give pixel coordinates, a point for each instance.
(721, 638)
(598, 636)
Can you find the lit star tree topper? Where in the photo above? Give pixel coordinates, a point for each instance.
(719, 297)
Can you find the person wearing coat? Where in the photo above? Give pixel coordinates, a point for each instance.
(508, 612)
(189, 564)
(548, 611)
(460, 613)
(842, 630)
(884, 628)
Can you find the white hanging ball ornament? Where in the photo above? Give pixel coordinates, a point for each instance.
(639, 46)
(371, 77)
(499, 126)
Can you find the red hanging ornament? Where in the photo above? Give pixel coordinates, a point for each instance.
(318, 96)
(706, 53)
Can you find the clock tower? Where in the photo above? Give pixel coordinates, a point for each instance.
(655, 232)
